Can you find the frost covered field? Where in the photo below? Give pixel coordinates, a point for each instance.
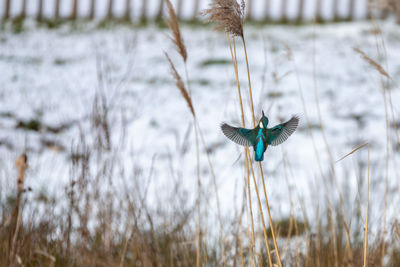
(102, 104)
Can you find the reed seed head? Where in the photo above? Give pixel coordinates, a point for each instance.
(228, 15)
(372, 62)
(180, 85)
(176, 38)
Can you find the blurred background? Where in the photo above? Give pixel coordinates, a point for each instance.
(102, 164)
(150, 10)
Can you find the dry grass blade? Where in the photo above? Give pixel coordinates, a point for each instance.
(172, 23)
(366, 216)
(351, 152)
(180, 85)
(22, 164)
(372, 62)
(45, 254)
(228, 15)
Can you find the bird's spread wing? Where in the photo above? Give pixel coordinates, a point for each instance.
(240, 136)
(281, 132)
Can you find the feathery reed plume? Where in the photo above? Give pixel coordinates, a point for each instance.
(228, 15)
(177, 39)
(372, 62)
(180, 85)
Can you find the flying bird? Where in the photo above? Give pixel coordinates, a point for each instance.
(261, 136)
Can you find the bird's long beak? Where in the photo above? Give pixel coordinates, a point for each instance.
(263, 113)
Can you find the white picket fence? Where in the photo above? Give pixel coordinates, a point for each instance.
(136, 10)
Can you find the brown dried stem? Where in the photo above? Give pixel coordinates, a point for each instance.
(259, 163)
(22, 164)
(366, 218)
(235, 66)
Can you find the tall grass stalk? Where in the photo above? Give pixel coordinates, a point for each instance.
(249, 81)
(316, 153)
(252, 239)
(229, 16)
(259, 163)
(269, 215)
(235, 66)
(292, 219)
(260, 207)
(198, 250)
(214, 179)
(365, 245)
(386, 98)
(331, 161)
(389, 96)
(366, 215)
(383, 73)
(248, 157)
(22, 164)
(196, 132)
(386, 166)
(177, 39)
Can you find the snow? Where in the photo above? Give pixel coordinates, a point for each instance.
(53, 75)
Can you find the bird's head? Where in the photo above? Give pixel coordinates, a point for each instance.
(263, 121)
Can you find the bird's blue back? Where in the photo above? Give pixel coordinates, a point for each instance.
(260, 146)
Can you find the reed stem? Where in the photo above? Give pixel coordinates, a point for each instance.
(196, 132)
(366, 217)
(249, 81)
(235, 66)
(260, 166)
(331, 161)
(260, 208)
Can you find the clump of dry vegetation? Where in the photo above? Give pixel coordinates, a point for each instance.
(391, 5)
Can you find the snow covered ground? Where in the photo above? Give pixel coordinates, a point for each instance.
(50, 77)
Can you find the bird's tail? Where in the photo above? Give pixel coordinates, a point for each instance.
(259, 156)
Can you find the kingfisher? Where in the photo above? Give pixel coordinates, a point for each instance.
(261, 137)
